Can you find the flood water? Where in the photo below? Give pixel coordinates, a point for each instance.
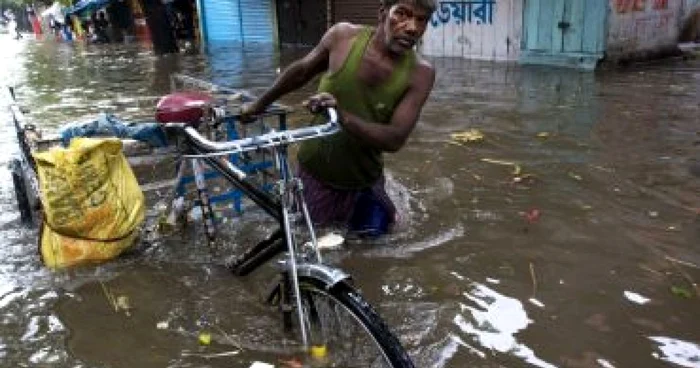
(569, 236)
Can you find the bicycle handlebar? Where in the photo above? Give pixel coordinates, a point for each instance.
(272, 139)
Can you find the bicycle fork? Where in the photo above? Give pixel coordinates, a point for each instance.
(291, 193)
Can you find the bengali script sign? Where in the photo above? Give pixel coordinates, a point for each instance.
(472, 11)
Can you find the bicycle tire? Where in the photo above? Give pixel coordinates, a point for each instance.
(20, 187)
(345, 296)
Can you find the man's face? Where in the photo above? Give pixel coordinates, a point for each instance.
(404, 24)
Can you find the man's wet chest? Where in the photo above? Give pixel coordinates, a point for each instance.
(372, 72)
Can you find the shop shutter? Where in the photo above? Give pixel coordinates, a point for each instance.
(258, 25)
(238, 20)
(356, 11)
(221, 20)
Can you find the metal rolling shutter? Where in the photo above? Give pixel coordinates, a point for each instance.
(239, 21)
(221, 20)
(356, 11)
(258, 24)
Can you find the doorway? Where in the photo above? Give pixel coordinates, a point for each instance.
(564, 32)
(301, 22)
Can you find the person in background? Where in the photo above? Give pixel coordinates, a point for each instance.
(34, 21)
(379, 85)
(100, 26)
(68, 32)
(86, 25)
(55, 26)
(120, 18)
(12, 27)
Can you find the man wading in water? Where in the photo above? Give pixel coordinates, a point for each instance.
(379, 85)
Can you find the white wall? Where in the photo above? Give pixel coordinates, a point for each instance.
(494, 37)
(643, 25)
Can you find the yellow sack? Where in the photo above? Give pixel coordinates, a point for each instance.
(91, 200)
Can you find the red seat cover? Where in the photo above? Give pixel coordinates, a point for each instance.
(185, 107)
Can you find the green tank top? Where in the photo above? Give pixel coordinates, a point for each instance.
(341, 160)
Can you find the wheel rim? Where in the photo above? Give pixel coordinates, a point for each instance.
(345, 338)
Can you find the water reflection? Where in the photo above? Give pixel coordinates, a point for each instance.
(494, 320)
(679, 352)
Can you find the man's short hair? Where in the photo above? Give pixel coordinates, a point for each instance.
(429, 5)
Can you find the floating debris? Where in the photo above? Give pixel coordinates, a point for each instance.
(261, 365)
(536, 302)
(162, 325)
(636, 298)
(330, 241)
(532, 216)
(469, 136)
(681, 292)
(575, 176)
(123, 303)
(204, 338)
(517, 170)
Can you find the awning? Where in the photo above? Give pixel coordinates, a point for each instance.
(55, 12)
(87, 5)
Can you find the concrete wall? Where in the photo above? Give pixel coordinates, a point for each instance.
(475, 29)
(639, 29)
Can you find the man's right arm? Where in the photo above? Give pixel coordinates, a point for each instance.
(300, 72)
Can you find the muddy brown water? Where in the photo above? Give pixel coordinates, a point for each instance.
(569, 236)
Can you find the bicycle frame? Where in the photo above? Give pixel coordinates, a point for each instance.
(290, 192)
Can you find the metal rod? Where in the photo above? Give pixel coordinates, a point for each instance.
(205, 205)
(307, 218)
(273, 139)
(293, 263)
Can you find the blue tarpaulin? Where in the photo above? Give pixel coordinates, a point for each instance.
(86, 5)
(107, 125)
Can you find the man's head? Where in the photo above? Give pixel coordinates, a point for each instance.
(403, 22)
(427, 5)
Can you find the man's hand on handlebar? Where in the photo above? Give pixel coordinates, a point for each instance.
(318, 102)
(250, 111)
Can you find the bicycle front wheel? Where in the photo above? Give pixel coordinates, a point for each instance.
(344, 330)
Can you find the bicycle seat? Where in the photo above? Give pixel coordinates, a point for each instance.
(183, 107)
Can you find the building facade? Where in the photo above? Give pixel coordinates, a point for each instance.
(571, 33)
(475, 29)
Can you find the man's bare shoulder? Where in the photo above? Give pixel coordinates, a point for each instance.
(344, 31)
(424, 66)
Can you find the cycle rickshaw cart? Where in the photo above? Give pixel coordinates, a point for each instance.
(317, 302)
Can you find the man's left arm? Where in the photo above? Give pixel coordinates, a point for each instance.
(393, 136)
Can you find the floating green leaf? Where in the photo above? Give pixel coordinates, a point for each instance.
(682, 292)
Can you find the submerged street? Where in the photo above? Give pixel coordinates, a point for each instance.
(563, 231)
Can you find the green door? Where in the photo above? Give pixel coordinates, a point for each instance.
(564, 32)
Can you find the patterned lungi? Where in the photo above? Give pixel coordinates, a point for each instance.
(331, 206)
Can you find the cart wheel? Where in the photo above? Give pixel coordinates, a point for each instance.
(18, 182)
